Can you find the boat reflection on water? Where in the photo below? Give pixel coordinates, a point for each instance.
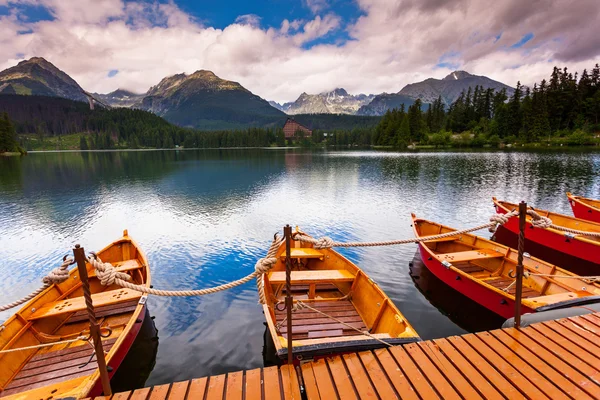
(139, 361)
(269, 352)
(461, 310)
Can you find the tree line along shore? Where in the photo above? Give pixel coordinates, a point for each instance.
(564, 110)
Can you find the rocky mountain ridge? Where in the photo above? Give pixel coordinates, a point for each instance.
(337, 101)
(37, 76)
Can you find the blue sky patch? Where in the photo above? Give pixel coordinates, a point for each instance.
(449, 65)
(526, 38)
(28, 13)
(449, 60)
(112, 73)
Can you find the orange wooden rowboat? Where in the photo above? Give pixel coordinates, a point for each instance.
(484, 271)
(584, 208)
(58, 314)
(330, 283)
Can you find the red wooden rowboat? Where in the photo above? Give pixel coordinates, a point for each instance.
(483, 270)
(584, 208)
(582, 252)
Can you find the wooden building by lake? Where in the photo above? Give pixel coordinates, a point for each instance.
(291, 126)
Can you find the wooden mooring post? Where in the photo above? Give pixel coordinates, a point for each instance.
(519, 282)
(79, 254)
(289, 301)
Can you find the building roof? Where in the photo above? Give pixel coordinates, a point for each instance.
(291, 126)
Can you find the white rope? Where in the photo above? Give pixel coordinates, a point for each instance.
(108, 275)
(56, 276)
(539, 221)
(327, 242)
(39, 346)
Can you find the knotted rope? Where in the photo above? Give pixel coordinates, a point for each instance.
(56, 276)
(109, 276)
(327, 242)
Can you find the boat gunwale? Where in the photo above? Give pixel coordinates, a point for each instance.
(581, 238)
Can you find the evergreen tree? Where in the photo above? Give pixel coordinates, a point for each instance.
(403, 133)
(8, 141)
(515, 118)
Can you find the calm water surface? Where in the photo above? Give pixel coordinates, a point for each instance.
(204, 217)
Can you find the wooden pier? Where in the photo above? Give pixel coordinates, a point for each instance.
(549, 360)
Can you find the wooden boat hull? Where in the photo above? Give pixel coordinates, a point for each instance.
(583, 208)
(343, 303)
(500, 304)
(550, 244)
(120, 355)
(483, 271)
(68, 371)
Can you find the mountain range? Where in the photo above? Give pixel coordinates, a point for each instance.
(429, 90)
(338, 101)
(203, 100)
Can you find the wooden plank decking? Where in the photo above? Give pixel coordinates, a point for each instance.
(549, 360)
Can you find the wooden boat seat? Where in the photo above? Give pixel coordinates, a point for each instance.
(308, 324)
(51, 367)
(122, 266)
(105, 311)
(469, 255)
(78, 303)
(310, 277)
(304, 252)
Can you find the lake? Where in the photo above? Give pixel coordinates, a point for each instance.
(204, 217)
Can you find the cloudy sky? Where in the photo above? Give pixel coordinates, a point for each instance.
(281, 48)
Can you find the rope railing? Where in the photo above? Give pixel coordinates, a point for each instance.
(108, 275)
(327, 242)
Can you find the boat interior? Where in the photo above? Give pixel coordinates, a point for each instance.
(557, 219)
(59, 314)
(329, 283)
(495, 265)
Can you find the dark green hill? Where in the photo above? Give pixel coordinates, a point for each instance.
(202, 100)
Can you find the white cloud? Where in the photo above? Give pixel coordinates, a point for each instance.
(393, 43)
(248, 19)
(316, 6)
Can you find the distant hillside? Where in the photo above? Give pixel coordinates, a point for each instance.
(383, 102)
(51, 116)
(37, 76)
(202, 100)
(337, 121)
(429, 90)
(450, 87)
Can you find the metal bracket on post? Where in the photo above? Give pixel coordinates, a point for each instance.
(79, 254)
(289, 301)
(519, 281)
